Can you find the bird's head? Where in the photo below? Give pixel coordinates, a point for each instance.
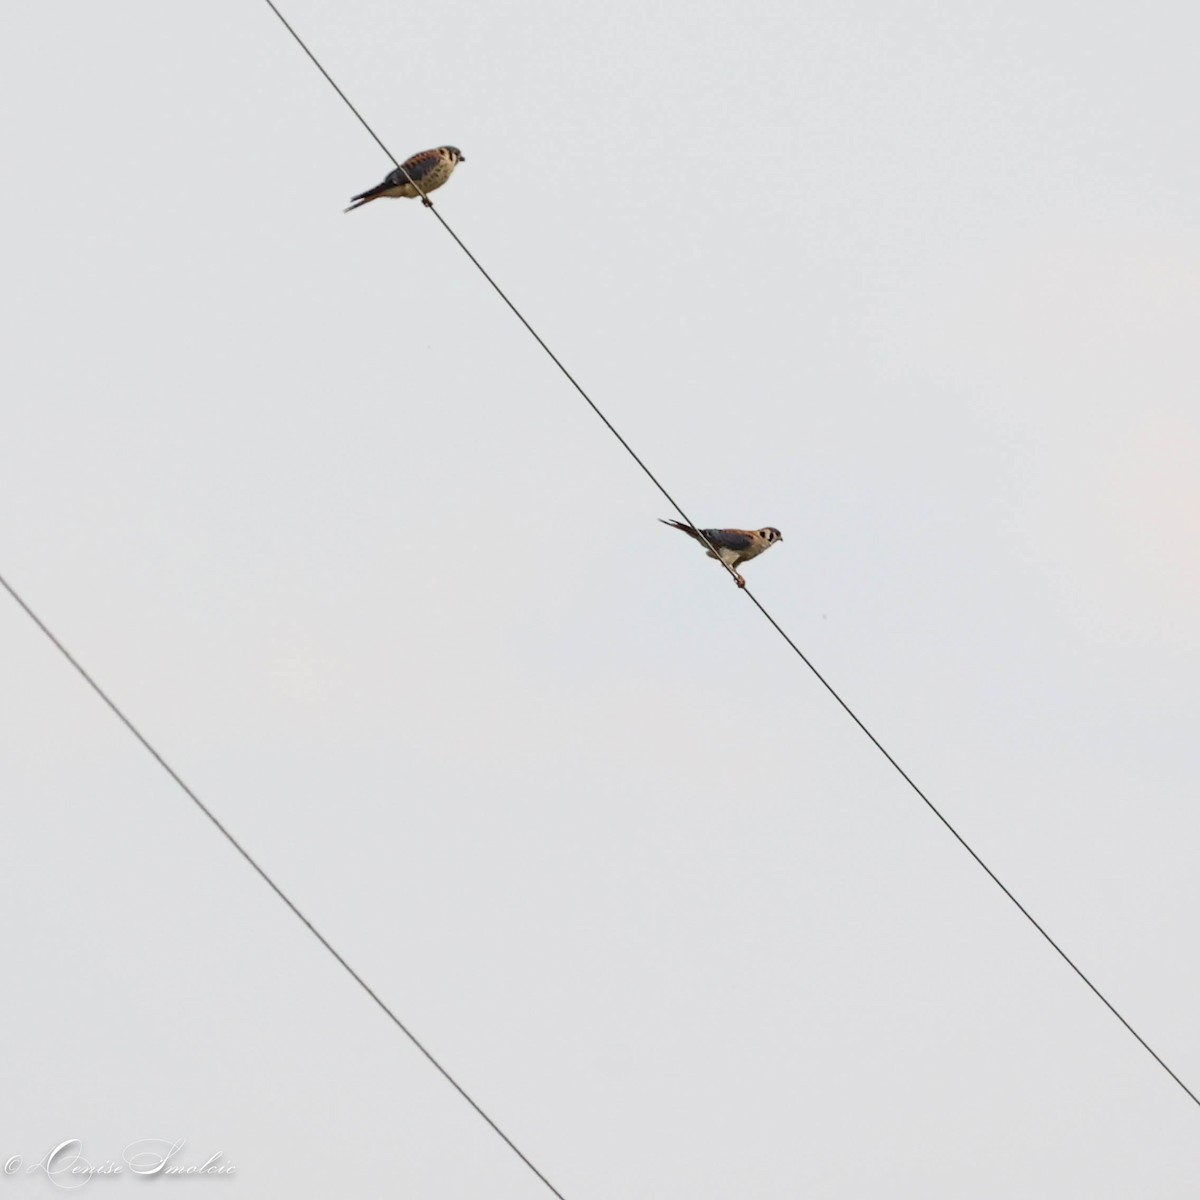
(454, 152)
(770, 535)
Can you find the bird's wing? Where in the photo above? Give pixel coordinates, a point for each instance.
(417, 167)
(414, 170)
(730, 539)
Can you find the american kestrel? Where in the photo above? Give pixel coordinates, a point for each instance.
(428, 170)
(733, 546)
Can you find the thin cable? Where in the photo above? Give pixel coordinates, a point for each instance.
(963, 842)
(366, 987)
(757, 603)
(329, 79)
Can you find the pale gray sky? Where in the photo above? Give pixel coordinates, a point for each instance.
(918, 284)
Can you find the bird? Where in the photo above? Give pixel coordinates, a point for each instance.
(732, 546)
(417, 176)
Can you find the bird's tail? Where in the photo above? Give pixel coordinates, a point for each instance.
(681, 527)
(370, 194)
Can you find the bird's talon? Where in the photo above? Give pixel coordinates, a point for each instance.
(425, 200)
(741, 582)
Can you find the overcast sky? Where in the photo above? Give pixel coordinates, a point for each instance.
(918, 284)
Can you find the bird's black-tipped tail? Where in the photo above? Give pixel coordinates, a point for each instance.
(359, 201)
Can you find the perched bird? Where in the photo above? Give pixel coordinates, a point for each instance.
(732, 546)
(428, 170)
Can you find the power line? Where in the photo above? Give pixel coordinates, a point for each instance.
(757, 603)
(191, 795)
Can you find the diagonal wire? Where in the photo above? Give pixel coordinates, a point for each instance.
(933, 808)
(754, 599)
(166, 766)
